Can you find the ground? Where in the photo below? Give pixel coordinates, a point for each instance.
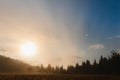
(57, 77)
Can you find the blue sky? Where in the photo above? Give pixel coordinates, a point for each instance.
(61, 28)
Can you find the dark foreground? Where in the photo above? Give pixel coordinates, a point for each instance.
(57, 77)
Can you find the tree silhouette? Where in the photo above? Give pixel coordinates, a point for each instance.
(110, 65)
(105, 65)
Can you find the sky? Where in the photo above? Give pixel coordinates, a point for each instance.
(64, 31)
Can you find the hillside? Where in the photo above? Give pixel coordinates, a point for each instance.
(9, 65)
(105, 65)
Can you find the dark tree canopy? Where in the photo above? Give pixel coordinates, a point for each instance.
(105, 65)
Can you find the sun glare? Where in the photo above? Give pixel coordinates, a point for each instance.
(28, 49)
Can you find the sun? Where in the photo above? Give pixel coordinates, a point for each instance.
(28, 48)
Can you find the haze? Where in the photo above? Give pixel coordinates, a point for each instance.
(65, 32)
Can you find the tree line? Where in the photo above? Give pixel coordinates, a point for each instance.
(105, 65)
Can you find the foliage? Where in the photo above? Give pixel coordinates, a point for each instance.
(110, 65)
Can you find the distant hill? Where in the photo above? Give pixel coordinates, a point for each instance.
(9, 65)
(105, 65)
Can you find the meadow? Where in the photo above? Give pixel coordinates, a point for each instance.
(57, 77)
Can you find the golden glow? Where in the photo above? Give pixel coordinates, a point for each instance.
(28, 49)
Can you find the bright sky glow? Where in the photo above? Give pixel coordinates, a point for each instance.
(28, 49)
(59, 32)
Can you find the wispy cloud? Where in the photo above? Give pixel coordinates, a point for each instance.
(114, 37)
(86, 35)
(110, 38)
(2, 50)
(96, 46)
(117, 36)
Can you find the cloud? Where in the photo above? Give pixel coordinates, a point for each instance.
(110, 37)
(114, 37)
(96, 46)
(2, 50)
(86, 35)
(117, 36)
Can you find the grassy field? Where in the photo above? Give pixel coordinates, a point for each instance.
(57, 77)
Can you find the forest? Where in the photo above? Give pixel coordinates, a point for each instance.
(105, 65)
